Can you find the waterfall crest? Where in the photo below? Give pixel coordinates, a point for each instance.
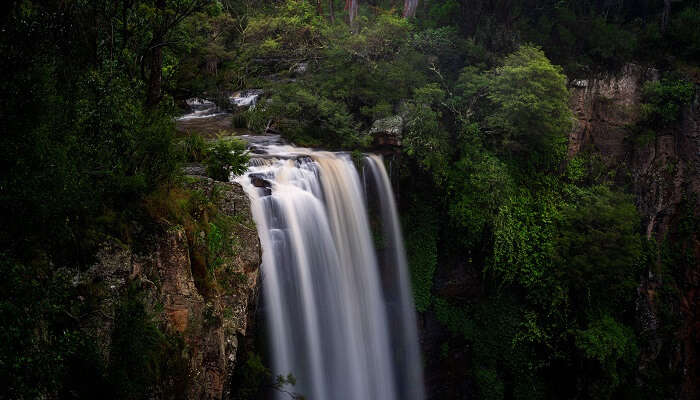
(342, 331)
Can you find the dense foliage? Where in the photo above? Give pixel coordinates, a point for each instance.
(554, 247)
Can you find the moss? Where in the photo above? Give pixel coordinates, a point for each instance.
(211, 234)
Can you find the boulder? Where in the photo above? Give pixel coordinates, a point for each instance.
(387, 131)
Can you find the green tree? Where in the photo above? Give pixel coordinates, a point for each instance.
(663, 101)
(531, 104)
(598, 249)
(612, 348)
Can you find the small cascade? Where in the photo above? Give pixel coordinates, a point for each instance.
(332, 322)
(201, 108)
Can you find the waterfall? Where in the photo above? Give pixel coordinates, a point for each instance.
(341, 331)
(405, 332)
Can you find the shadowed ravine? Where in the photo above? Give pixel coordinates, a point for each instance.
(333, 323)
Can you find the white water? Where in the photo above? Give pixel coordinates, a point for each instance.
(333, 322)
(201, 108)
(246, 98)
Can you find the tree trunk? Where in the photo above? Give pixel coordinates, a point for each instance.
(331, 11)
(665, 16)
(156, 75)
(319, 8)
(409, 8)
(351, 7)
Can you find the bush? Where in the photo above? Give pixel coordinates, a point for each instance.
(613, 347)
(424, 138)
(293, 29)
(83, 159)
(195, 148)
(308, 118)
(664, 100)
(41, 344)
(227, 157)
(240, 120)
(597, 247)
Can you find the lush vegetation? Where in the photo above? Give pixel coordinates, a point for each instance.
(87, 101)
(486, 117)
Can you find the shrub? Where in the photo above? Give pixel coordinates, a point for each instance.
(424, 138)
(240, 120)
(227, 157)
(663, 101)
(597, 248)
(195, 148)
(293, 29)
(141, 355)
(612, 346)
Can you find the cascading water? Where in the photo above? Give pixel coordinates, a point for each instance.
(333, 323)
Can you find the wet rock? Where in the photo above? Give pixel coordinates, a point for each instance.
(194, 169)
(604, 107)
(259, 180)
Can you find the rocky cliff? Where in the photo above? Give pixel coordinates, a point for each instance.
(664, 174)
(213, 318)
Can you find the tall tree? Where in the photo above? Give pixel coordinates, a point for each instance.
(351, 8)
(167, 16)
(665, 15)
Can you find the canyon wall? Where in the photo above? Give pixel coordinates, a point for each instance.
(214, 321)
(663, 172)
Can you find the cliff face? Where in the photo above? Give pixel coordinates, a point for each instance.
(664, 173)
(212, 321)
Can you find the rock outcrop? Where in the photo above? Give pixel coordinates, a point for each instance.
(664, 172)
(211, 322)
(387, 131)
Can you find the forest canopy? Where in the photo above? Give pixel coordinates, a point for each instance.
(88, 100)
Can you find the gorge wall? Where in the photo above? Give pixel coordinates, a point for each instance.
(215, 321)
(663, 172)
